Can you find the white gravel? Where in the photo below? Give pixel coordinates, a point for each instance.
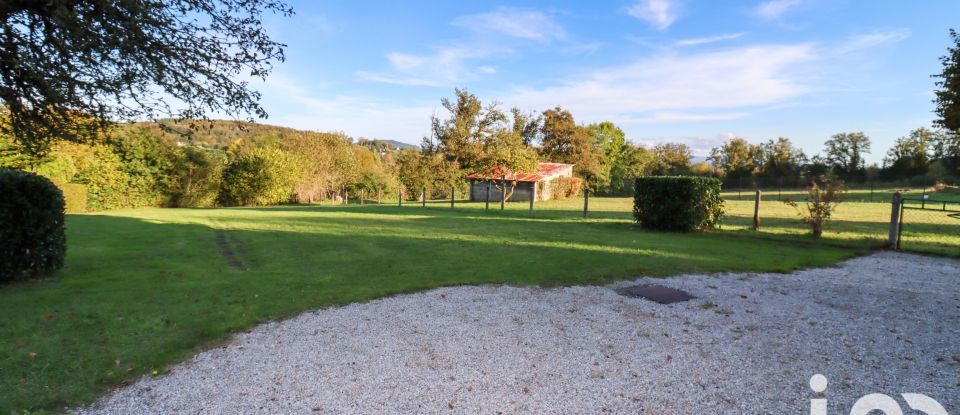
(887, 323)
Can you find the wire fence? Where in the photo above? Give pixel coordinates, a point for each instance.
(925, 221)
(929, 225)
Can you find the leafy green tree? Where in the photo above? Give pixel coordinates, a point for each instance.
(112, 59)
(198, 175)
(672, 159)
(527, 125)
(460, 138)
(844, 154)
(566, 142)
(609, 143)
(948, 88)
(413, 171)
(97, 168)
(637, 161)
(910, 155)
(946, 151)
(737, 158)
(372, 175)
(783, 161)
(257, 177)
(504, 155)
(148, 163)
(329, 164)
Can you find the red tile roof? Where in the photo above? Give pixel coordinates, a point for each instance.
(544, 171)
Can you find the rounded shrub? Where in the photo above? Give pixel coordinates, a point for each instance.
(677, 203)
(31, 225)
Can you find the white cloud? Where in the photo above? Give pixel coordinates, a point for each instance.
(357, 116)
(523, 24)
(658, 13)
(674, 87)
(672, 117)
(706, 40)
(699, 146)
(447, 66)
(773, 9)
(869, 40)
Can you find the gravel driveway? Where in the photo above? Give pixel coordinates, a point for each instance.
(887, 323)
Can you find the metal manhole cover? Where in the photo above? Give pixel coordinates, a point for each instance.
(656, 293)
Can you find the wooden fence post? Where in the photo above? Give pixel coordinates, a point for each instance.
(423, 197)
(379, 192)
(756, 211)
(586, 201)
(895, 218)
(400, 196)
(453, 196)
(488, 196)
(533, 194)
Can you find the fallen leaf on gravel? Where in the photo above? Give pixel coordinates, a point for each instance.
(669, 358)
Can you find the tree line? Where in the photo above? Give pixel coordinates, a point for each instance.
(922, 157)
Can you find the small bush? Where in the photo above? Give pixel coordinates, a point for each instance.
(564, 187)
(259, 177)
(677, 203)
(823, 197)
(31, 225)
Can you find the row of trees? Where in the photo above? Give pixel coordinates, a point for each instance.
(130, 166)
(923, 155)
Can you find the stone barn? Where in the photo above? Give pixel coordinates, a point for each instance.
(537, 185)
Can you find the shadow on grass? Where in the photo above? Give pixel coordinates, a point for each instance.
(137, 295)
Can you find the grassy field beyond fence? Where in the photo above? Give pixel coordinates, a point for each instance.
(146, 288)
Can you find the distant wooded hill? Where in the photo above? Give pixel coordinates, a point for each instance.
(223, 133)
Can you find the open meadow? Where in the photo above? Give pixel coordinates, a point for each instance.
(146, 288)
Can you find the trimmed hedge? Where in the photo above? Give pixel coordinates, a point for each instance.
(677, 203)
(31, 225)
(74, 196)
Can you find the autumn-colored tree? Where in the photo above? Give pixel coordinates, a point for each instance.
(736, 158)
(782, 160)
(566, 142)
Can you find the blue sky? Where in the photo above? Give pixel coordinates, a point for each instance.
(687, 71)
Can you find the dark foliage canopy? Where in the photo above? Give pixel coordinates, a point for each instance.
(129, 59)
(948, 92)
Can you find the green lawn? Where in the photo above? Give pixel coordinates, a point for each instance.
(146, 288)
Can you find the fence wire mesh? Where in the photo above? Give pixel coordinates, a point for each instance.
(930, 225)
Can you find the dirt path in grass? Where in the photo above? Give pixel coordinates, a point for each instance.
(749, 343)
